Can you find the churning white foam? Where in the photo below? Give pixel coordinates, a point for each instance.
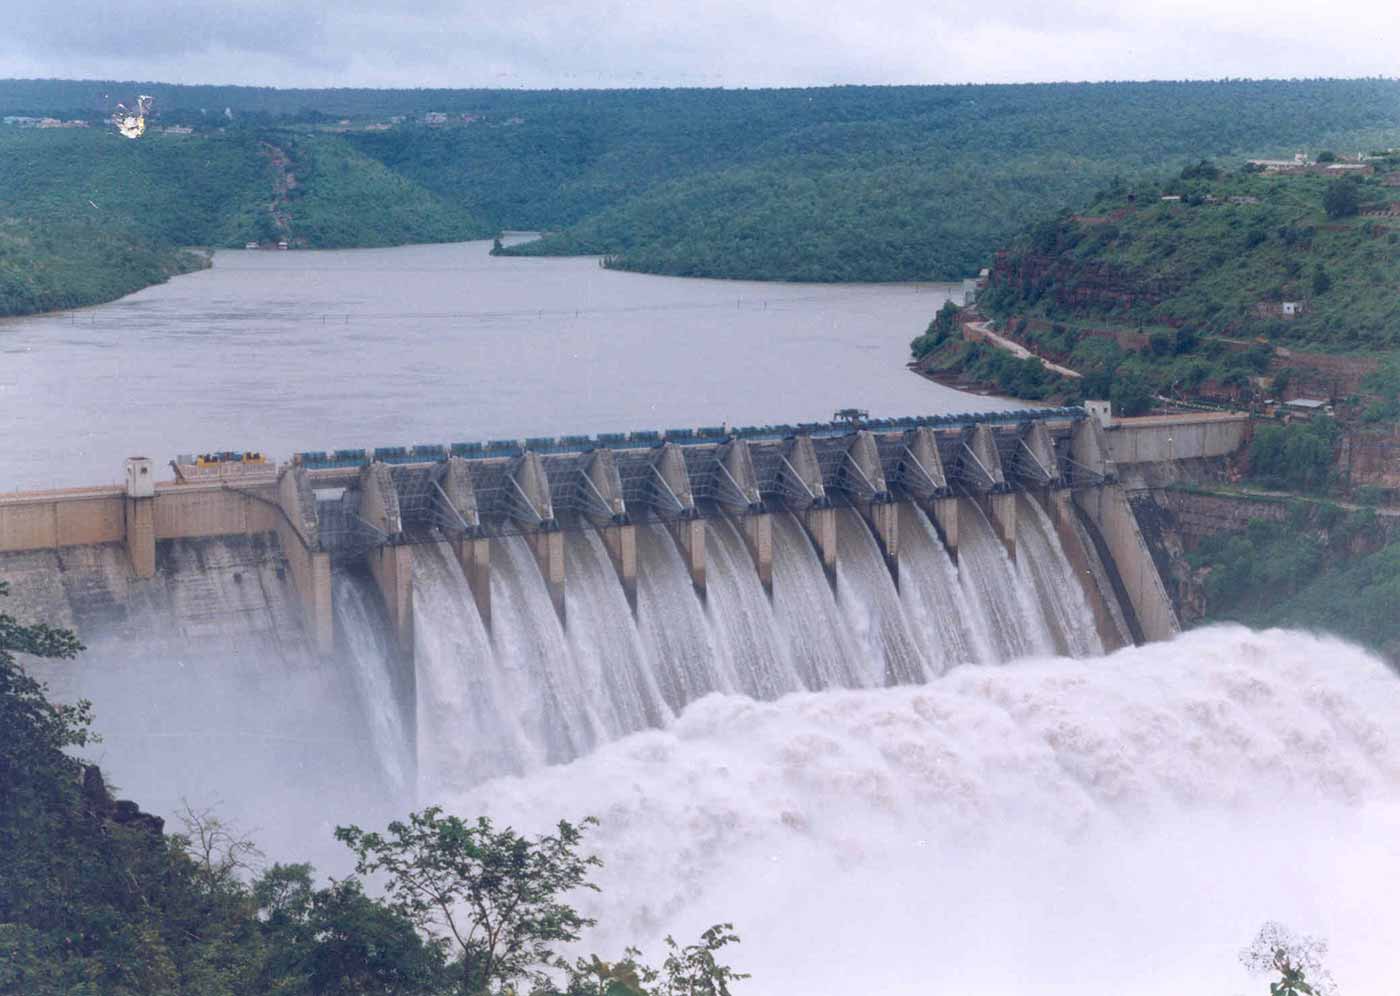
(1116, 825)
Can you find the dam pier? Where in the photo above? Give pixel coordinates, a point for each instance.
(374, 510)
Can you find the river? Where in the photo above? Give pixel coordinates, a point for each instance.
(288, 351)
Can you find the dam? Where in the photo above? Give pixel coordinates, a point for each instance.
(459, 611)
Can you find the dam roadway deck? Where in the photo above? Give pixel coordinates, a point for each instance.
(372, 507)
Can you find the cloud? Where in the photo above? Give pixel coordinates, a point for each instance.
(717, 42)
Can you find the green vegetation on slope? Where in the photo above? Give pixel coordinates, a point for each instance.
(343, 199)
(1306, 573)
(1223, 259)
(841, 183)
(87, 216)
(918, 187)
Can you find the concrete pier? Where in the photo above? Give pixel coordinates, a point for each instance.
(689, 535)
(883, 517)
(392, 569)
(1104, 598)
(945, 517)
(548, 547)
(919, 469)
(821, 527)
(474, 554)
(1003, 518)
(298, 531)
(757, 528)
(1112, 517)
(979, 460)
(621, 544)
(738, 477)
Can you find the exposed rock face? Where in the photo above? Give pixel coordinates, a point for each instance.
(1371, 457)
(122, 812)
(1076, 283)
(1175, 522)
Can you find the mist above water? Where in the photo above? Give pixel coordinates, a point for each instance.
(1122, 824)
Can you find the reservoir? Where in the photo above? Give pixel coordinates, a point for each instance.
(289, 351)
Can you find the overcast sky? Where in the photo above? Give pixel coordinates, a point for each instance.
(582, 43)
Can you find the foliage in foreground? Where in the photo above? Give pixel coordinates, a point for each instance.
(95, 900)
(1295, 958)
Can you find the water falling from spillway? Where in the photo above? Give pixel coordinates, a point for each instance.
(677, 640)
(466, 705)
(822, 648)
(362, 638)
(741, 617)
(1122, 825)
(938, 609)
(468, 714)
(607, 650)
(531, 646)
(1040, 557)
(870, 604)
(996, 590)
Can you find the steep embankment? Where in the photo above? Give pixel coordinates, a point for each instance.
(1278, 561)
(1214, 285)
(1222, 252)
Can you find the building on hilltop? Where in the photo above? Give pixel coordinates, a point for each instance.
(1280, 309)
(1297, 164)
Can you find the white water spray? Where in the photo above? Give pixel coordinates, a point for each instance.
(868, 599)
(822, 648)
(362, 637)
(1051, 826)
(1040, 557)
(938, 609)
(997, 591)
(741, 617)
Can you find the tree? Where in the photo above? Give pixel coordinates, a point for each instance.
(1295, 957)
(1342, 198)
(1131, 395)
(492, 895)
(692, 970)
(222, 855)
(1321, 282)
(337, 941)
(939, 331)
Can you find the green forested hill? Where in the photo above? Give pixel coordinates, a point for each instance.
(842, 183)
(87, 216)
(1222, 255)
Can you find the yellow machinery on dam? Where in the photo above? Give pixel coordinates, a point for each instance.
(372, 507)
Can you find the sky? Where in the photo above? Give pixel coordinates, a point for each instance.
(733, 43)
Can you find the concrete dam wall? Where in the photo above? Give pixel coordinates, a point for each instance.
(566, 592)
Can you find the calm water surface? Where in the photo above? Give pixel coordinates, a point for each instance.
(378, 347)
